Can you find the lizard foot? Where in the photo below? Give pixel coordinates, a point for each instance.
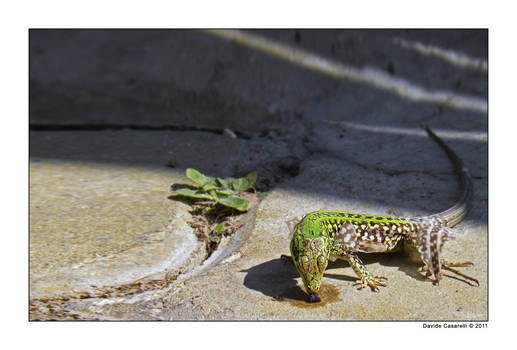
(449, 267)
(372, 281)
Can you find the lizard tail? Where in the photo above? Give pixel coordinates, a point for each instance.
(455, 214)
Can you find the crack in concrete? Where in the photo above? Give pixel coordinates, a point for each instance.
(101, 127)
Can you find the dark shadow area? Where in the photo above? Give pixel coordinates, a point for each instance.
(188, 78)
(274, 278)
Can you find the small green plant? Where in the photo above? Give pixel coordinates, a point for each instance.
(215, 202)
(227, 192)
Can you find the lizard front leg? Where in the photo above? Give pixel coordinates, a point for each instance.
(366, 278)
(351, 239)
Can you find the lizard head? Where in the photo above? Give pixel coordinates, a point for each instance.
(310, 256)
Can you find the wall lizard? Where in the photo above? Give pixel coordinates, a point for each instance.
(326, 235)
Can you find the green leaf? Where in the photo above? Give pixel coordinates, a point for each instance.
(251, 177)
(197, 177)
(241, 185)
(209, 186)
(218, 228)
(223, 191)
(215, 239)
(193, 193)
(225, 183)
(235, 202)
(213, 194)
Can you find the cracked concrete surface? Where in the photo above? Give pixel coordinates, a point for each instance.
(157, 102)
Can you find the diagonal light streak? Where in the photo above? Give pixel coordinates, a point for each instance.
(373, 76)
(450, 56)
(445, 134)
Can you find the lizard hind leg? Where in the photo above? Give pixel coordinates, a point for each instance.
(449, 267)
(429, 238)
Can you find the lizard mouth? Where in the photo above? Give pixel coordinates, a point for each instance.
(314, 298)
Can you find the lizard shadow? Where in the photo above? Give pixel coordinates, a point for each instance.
(401, 260)
(277, 278)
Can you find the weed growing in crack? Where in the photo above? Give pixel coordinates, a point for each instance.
(216, 204)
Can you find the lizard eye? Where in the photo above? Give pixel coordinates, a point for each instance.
(304, 264)
(318, 243)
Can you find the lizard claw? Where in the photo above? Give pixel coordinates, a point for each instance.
(372, 281)
(448, 266)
